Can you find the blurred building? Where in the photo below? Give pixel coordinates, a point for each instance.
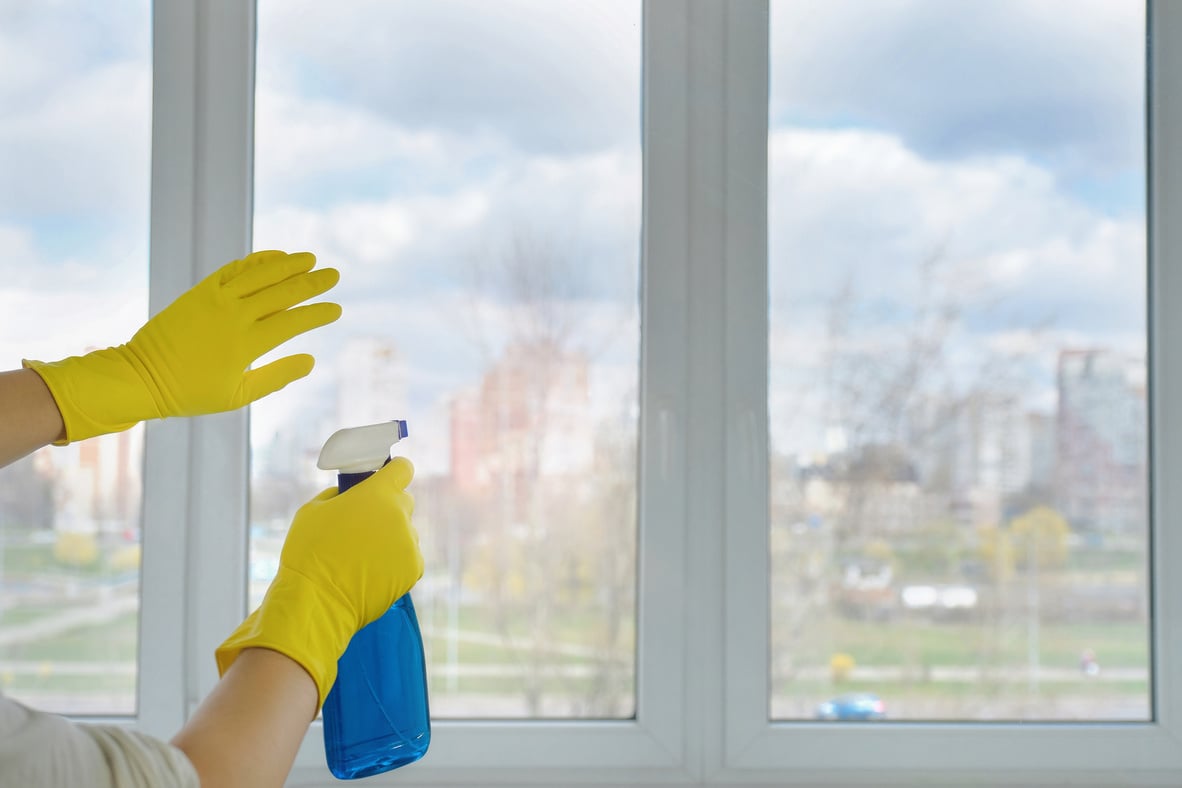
(981, 450)
(96, 482)
(469, 467)
(27, 493)
(1102, 459)
(371, 382)
(528, 419)
(289, 456)
(871, 493)
(1040, 429)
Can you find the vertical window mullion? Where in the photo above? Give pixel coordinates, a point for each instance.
(664, 363)
(714, 148)
(221, 232)
(746, 376)
(195, 475)
(162, 642)
(1165, 342)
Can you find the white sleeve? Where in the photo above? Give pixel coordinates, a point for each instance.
(39, 750)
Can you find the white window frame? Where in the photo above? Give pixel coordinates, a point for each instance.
(702, 673)
(986, 754)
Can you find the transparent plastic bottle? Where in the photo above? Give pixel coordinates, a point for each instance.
(376, 716)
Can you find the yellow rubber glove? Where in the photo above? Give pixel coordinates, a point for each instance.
(347, 558)
(192, 357)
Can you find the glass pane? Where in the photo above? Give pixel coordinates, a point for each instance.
(74, 178)
(959, 426)
(474, 171)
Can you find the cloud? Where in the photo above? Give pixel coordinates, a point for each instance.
(52, 323)
(517, 70)
(53, 307)
(82, 155)
(860, 206)
(109, 268)
(75, 142)
(47, 44)
(450, 208)
(413, 144)
(317, 151)
(1030, 268)
(1019, 250)
(1065, 85)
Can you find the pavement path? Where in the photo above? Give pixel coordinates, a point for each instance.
(70, 618)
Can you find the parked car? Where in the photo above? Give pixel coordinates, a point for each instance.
(855, 706)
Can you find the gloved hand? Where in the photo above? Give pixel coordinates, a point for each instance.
(192, 357)
(347, 558)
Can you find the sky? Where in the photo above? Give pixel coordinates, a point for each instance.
(413, 144)
(1003, 140)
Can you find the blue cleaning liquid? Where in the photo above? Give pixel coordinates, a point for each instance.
(376, 716)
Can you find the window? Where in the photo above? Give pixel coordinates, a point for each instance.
(478, 181)
(73, 224)
(958, 380)
(515, 119)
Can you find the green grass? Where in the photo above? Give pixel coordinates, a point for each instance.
(23, 560)
(80, 685)
(485, 654)
(580, 627)
(114, 641)
(1105, 560)
(471, 653)
(23, 615)
(552, 686)
(950, 644)
(895, 643)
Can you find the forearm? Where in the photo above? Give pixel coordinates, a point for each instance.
(29, 415)
(248, 730)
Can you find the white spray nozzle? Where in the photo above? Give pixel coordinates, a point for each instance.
(360, 449)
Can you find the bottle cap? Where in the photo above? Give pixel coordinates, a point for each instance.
(360, 449)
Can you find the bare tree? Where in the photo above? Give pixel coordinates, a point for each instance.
(897, 390)
(555, 528)
(877, 388)
(26, 496)
(904, 400)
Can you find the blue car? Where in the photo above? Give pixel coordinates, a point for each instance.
(856, 706)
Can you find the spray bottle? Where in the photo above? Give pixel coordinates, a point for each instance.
(375, 716)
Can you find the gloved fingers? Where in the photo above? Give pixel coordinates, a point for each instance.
(271, 332)
(268, 379)
(293, 290)
(234, 269)
(397, 473)
(410, 503)
(270, 271)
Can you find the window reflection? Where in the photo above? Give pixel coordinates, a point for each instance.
(958, 399)
(74, 178)
(477, 180)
